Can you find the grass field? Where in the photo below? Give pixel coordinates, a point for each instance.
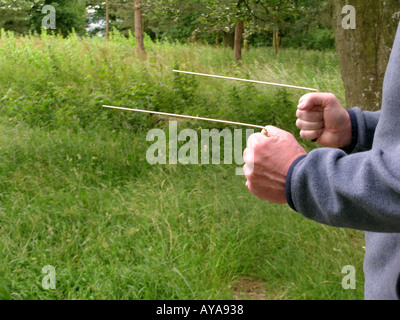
(77, 193)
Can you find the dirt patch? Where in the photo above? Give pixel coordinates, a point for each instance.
(249, 289)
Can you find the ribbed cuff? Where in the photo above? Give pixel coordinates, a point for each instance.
(354, 133)
(288, 186)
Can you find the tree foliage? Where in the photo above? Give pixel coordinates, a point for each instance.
(300, 23)
(23, 16)
(15, 15)
(70, 15)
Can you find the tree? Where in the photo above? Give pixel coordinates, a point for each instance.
(111, 14)
(273, 14)
(177, 20)
(238, 41)
(107, 19)
(22, 16)
(227, 18)
(139, 28)
(219, 18)
(124, 15)
(70, 15)
(240, 18)
(15, 15)
(364, 37)
(310, 27)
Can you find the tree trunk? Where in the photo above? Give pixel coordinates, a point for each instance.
(363, 47)
(276, 41)
(229, 39)
(246, 45)
(139, 28)
(217, 39)
(238, 41)
(107, 20)
(246, 38)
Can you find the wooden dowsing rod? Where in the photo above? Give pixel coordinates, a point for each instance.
(209, 119)
(247, 80)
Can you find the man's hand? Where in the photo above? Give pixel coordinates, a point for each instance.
(267, 162)
(322, 117)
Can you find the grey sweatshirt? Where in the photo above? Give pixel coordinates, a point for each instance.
(359, 187)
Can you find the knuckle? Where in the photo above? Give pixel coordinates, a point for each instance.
(252, 141)
(248, 159)
(257, 148)
(258, 144)
(330, 97)
(248, 174)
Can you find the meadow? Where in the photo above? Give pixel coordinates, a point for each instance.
(77, 193)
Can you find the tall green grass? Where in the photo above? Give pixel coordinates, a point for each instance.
(77, 193)
(54, 81)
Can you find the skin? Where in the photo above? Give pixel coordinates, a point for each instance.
(268, 158)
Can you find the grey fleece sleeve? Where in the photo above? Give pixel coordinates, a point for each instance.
(359, 191)
(363, 125)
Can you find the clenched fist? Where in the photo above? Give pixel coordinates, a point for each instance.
(267, 162)
(322, 117)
